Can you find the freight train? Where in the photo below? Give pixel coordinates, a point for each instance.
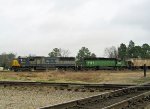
(46, 63)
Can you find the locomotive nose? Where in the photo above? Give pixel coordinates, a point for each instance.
(15, 63)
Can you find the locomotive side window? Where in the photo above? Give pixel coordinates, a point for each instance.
(49, 61)
(31, 59)
(90, 63)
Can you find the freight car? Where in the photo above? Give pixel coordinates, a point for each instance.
(138, 63)
(104, 63)
(42, 63)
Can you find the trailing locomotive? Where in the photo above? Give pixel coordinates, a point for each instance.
(104, 63)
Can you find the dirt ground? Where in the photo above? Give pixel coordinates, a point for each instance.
(120, 77)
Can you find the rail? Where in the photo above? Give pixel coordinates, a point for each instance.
(91, 100)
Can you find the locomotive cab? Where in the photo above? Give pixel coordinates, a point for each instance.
(15, 65)
(18, 64)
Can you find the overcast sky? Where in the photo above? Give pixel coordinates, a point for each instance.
(38, 26)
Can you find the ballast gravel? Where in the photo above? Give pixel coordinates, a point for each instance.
(28, 97)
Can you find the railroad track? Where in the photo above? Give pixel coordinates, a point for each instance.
(67, 86)
(136, 102)
(120, 96)
(126, 98)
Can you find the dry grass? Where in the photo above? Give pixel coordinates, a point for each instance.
(80, 77)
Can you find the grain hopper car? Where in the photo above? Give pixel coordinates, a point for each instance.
(138, 63)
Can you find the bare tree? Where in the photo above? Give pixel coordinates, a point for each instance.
(64, 52)
(111, 52)
(59, 52)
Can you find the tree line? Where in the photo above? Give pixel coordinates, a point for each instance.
(128, 51)
(122, 52)
(83, 53)
(6, 59)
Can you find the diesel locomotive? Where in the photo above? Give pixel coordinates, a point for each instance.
(42, 63)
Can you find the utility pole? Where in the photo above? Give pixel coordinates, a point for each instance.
(145, 69)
